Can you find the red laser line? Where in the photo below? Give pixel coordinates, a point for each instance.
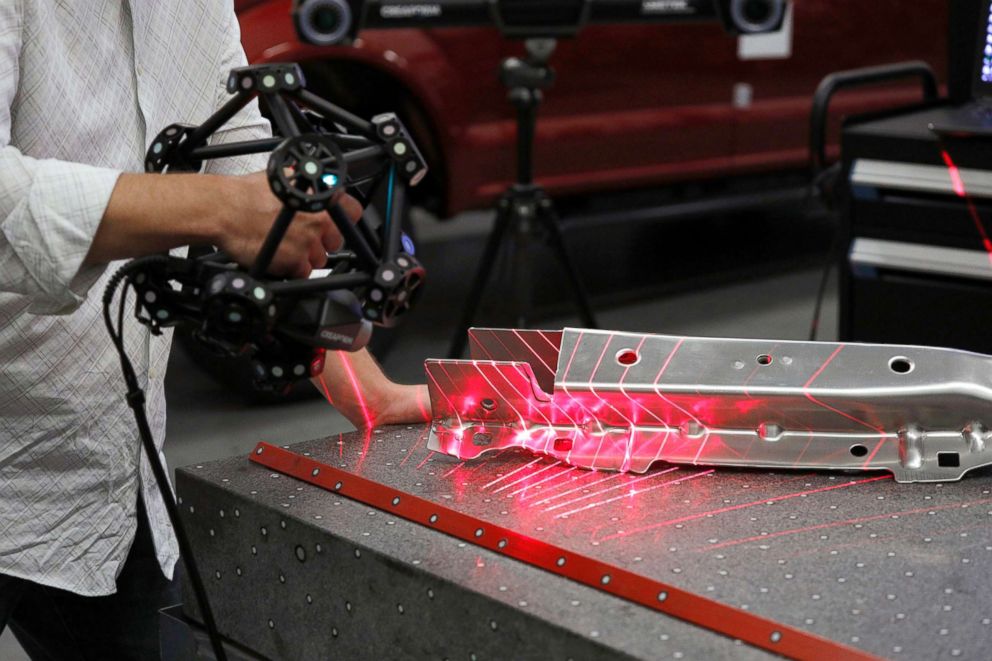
(453, 470)
(732, 508)
(530, 348)
(578, 488)
(592, 376)
(565, 483)
(327, 393)
(541, 481)
(613, 488)
(590, 506)
(511, 473)
(837, 524)
(553, 402)
(356, 387)
(671, 403)
(526, 477)
(830, 408)
(957, 182)
(420, 439)
(575, 348)
(437, 385)
(426, 459)
(425, 411)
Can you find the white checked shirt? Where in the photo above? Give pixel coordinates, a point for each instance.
(85, 85)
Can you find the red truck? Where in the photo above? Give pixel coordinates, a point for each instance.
(634, 106)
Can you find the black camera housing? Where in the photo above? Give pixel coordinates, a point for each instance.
(327, 22)
(752, 16)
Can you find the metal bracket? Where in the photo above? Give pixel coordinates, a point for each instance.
(623, 401)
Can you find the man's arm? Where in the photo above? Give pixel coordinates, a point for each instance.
(150, 213)
(355, 384)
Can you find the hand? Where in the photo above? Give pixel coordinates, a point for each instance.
(306, 243)
(355, 385)
(402, 405)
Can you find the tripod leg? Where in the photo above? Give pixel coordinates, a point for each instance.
(521, 268)
(552, 222)
(478, 285)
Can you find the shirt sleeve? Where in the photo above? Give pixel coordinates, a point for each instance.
(49, 210)
(248, 124)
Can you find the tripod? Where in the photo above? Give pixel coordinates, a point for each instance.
(524, 210)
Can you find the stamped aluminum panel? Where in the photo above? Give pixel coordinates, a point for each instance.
(624, 401)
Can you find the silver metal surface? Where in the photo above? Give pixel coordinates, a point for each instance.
(919, 258)
(919, 178)
(624, 401)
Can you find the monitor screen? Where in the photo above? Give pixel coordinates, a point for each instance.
(983, 75)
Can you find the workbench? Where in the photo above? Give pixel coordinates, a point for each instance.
(296, 571)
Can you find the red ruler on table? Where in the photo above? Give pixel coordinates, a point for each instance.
(698, 610)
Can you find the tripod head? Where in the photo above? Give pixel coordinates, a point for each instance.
(321, 150)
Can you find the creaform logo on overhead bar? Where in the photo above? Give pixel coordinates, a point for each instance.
(410, 11)
(666, 7)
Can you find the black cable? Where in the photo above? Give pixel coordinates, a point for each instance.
(136, 400)
(824, 186)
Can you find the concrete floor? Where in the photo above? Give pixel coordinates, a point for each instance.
(208, 421)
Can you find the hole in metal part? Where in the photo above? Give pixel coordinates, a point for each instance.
(396, 501)
(502, 544)
(488, 404)
(901, 365)
(858, 450)
(301, 554)
(662, 596)
(563, 444)
(479, 532)
(433, 518)
(258, 451)
(337, 487)
(769, 431)
(776, 636)
(605, 580)
(315, 472)
(561, 561)
(628, 357)
(948, 459)
(764, 359)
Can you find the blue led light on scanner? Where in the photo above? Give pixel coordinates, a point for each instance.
(331, 180)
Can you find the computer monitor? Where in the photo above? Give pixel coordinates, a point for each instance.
(982, 76)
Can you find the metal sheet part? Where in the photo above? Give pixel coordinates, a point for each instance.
(623, 401)
(896, 570)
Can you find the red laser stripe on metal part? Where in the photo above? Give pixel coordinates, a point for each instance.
(669, 600)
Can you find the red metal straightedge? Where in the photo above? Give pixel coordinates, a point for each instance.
(700, 611)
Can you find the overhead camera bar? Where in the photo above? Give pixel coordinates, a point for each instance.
(283, 326)
(331, 22)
